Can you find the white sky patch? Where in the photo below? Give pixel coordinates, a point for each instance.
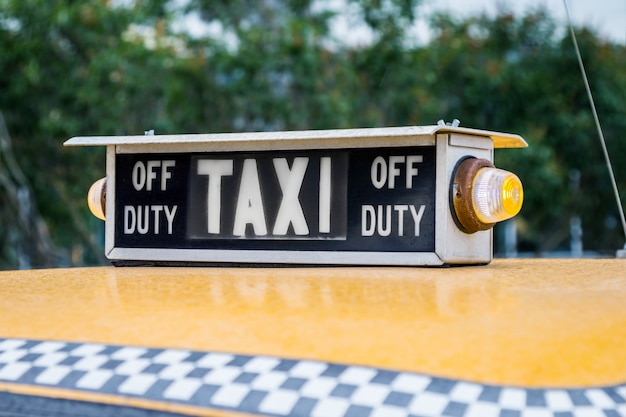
(347, 26)
(149, 37)
(193, 25)
(605, 17)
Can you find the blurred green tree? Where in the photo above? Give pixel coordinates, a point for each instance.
(71, 67)
(521, 75)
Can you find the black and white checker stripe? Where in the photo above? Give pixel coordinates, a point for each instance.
(284, 387)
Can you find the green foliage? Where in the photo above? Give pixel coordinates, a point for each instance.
(100, 67)
(521, 75)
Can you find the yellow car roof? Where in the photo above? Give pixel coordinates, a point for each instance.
(525, 326)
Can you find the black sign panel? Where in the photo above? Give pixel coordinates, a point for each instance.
(372, 199)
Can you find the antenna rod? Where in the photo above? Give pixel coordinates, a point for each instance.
(597, 121)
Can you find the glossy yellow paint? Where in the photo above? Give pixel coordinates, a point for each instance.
(521, 322)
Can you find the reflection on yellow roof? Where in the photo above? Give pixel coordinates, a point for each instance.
(518, 322)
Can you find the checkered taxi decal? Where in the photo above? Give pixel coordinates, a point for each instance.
(284, 387)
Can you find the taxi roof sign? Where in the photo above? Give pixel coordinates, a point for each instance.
(377, 196)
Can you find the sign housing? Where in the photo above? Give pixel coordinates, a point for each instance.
(376, 196)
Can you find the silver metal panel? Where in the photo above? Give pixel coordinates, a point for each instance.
(270, 139)
(110, 201)
(453, 245)
(285, 144)
(284, 257)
